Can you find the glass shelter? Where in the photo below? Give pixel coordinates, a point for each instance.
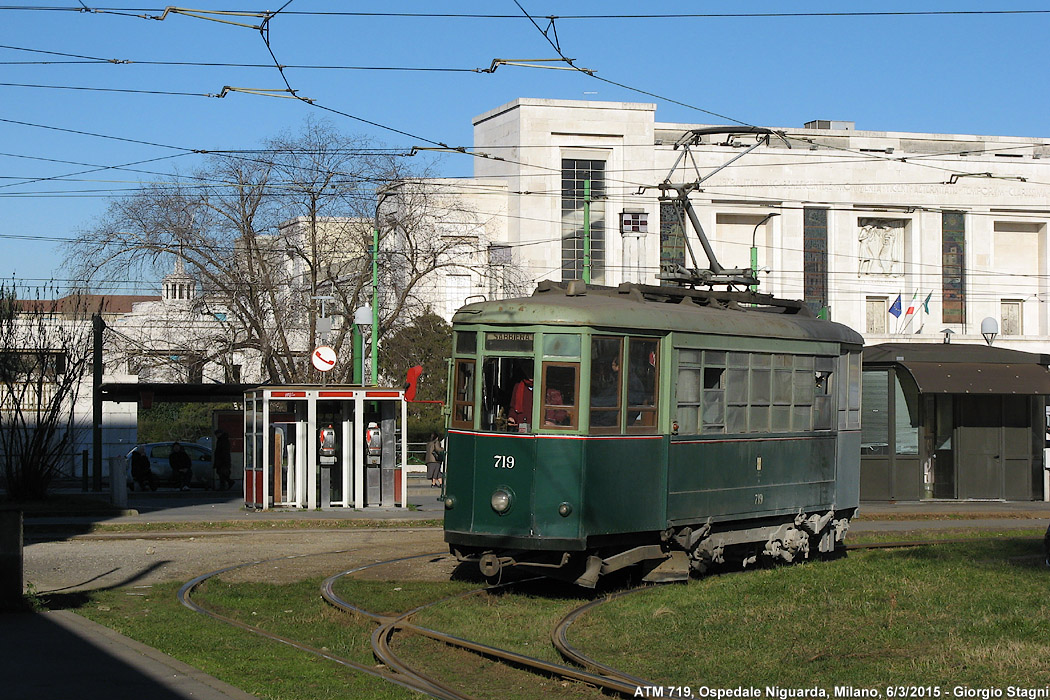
(324, 447)
(953, 421)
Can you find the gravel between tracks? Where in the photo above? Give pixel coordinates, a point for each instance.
(86, 563)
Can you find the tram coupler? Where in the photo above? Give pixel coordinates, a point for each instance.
(491, 564)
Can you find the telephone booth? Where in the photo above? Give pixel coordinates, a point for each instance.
(324, 447)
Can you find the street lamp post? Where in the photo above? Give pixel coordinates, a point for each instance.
(989, 329)
(383, 194)
(754, 248)
(362, 317)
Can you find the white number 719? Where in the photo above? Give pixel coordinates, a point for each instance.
(504, 461)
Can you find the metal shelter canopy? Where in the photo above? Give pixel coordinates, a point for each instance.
(174, 392)
(941, 368)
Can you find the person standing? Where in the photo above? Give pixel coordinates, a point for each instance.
(519, 414)
(222, 461)
(181, 466)
(434, 457)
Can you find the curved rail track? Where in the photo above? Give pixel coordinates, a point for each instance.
(595, 673)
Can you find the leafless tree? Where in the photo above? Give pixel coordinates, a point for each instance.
(45, 348)
(269, 232)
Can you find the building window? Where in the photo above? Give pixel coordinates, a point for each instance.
(875, 312)
(1011, 317)
(815, 258)
(575, 176)
(457, 289)
(953, 267)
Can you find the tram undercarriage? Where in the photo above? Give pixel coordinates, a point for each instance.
(679, 551)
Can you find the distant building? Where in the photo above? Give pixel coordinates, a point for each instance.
(61, 330)
(954, 226)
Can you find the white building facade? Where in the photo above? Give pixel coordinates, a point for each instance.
(954, 226)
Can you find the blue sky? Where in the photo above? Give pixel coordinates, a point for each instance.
(947, 73)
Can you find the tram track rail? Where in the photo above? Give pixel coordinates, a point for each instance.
(611, 680)
(396, 670)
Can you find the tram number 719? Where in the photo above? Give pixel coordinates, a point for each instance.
(503, 461)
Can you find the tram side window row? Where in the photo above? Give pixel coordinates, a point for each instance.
(623, 387)
(738, 392)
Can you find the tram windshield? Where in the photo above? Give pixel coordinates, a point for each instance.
(506, 394)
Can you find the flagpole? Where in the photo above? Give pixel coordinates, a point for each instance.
(895, 311)
(909, 315)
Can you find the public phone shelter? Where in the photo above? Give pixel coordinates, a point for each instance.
(324, 447)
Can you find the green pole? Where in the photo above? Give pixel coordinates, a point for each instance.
(375, 305)
(359, 359)
(754, 267)
(587, 231)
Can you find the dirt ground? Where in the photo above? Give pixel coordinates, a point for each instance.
(96, 562)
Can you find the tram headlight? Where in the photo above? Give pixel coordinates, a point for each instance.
(565, 509)
(450, 502)
(500, 500)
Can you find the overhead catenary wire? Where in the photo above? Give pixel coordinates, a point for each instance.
(552, 193)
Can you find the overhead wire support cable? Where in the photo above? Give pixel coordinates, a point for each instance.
(557, 48)
(530, 63)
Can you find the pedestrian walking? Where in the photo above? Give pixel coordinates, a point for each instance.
(222, 461)
(181, 466)
(434, 458)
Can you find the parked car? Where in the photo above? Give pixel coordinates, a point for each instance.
(158, 452)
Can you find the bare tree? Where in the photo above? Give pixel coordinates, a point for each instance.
(268, 233)
(44, 352)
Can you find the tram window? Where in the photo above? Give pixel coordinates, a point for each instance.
(561, 345)
(463, 395)
(782, 381)
(714, 405)
(689, 396)
(642, 374)
(758, 419)
(736, 387)
(466, 342)
(506, 394)
(688, 419)
(853, 402)
(691, 357)
(780, 419)
(803, 388)
(760, 386)
(736, 419)
(606, 380)
(560, 389)
(822, 400)
(802, 418)
(688, 385)
(701, 392)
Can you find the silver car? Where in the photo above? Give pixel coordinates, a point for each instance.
(158, 453)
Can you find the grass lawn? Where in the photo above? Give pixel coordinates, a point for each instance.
(974, 614)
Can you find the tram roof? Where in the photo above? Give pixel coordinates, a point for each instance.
(640, 307)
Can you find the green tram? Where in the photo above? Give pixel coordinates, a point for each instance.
(597, 428)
